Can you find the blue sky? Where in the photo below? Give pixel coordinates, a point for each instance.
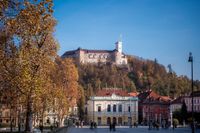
(163, 29)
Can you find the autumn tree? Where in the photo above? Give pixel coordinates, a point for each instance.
(31, 29)
(8, 73)
(81, 103)
(133, 77)
(65, 80)
(9, 90)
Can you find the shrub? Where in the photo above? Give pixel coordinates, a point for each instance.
(175, 122)
(2, 125)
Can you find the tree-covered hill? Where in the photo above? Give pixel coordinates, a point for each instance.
(138, 75)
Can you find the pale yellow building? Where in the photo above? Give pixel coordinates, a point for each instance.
(112, 106)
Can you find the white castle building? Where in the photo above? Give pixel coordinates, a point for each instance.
(115, 56)
(112, 106)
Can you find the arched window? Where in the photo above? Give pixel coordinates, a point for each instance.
(99, 108)
(48, 120)
(109, 108)
(114, 120)
(114, 108)
(129, 108)
(120, 108)
(108, 121)
(120, 121)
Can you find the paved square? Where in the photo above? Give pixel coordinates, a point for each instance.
(129, 130)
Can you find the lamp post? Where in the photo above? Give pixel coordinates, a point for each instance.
(130, 113)
(171, 116)
(149, 91)
(191, 60)
(93, 110)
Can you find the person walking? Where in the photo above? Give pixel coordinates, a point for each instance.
(91, 125)
(114, 126)
(110, 127)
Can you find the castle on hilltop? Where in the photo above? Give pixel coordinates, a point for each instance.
(115, 56)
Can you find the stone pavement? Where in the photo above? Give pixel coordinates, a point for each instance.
(128, 130)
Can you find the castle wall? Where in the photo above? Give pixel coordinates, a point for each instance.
(81, 55)
(97, 57)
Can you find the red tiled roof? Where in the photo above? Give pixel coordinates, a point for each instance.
(145, 95)
(134, 94)
(110, 91)
(154, 97)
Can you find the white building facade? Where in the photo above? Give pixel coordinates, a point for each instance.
(122, 110)
(176, 104)
(85, 56)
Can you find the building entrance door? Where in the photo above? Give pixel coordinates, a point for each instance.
(99, 121)
(114, 120)
(120, 121)
(108, 121)
(129, 121)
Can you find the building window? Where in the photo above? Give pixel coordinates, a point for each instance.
(114, 108)
(99, 108)
(114, 120)
(108, 121)
(129, 108)
(48, 120)
(109, 108)
(90, 55)
(120, 108)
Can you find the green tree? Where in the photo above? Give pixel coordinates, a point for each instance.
(184, 112)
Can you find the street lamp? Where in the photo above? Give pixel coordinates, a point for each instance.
(93, 110)
(171, 116)
(191, 60)
(149, 101)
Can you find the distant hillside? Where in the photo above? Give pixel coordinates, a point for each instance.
(138, 75)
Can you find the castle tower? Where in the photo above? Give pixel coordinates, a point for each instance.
(118, 45)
